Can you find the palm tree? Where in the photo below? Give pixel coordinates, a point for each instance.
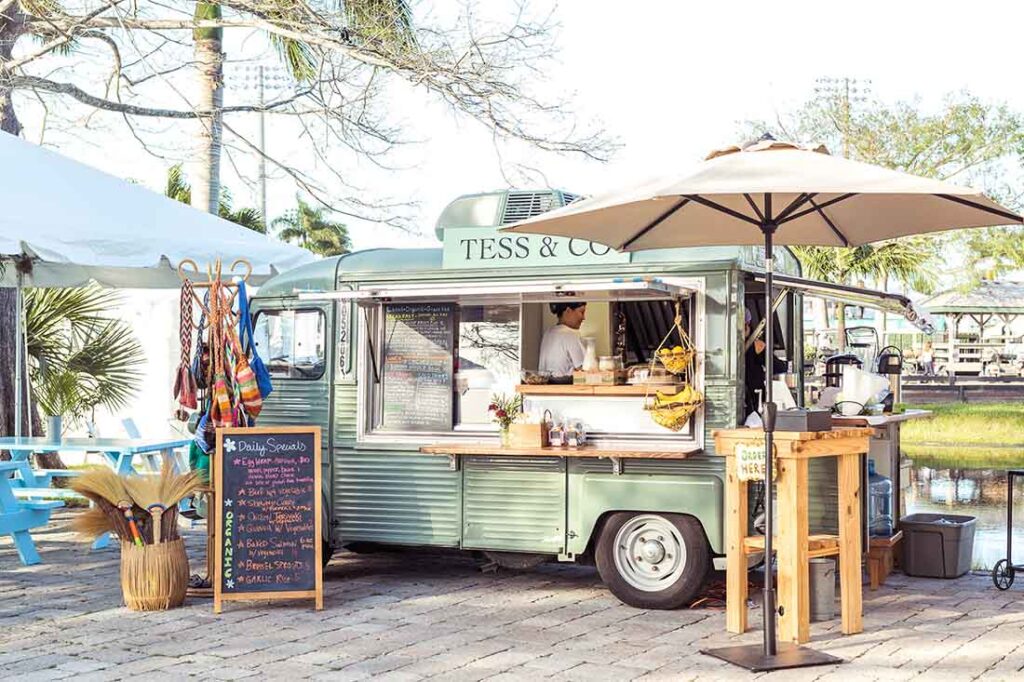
(179, 189)
(209, 55)
(80, 359)
(312, 230)
(906, 260)
(386, 23)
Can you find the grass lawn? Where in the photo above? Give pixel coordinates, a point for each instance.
(977, 424)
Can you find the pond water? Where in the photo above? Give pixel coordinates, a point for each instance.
(970, 481)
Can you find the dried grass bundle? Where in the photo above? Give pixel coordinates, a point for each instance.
(105, 484)
(94, 522)
(160, 495)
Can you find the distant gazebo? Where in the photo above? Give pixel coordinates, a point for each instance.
(991, 301)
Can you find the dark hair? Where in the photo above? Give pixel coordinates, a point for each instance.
(558, 308)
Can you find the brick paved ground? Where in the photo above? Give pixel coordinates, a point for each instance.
(410, 616)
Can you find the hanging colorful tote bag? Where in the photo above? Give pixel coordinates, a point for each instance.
(245, 335)
(184, 381)
(247, 389)
(220, 394)
(201, 360)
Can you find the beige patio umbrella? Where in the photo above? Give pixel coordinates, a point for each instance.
(769, 193)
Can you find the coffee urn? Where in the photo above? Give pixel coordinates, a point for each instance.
(890, 364)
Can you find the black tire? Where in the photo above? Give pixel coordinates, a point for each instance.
(1003, 574)
(636, 583)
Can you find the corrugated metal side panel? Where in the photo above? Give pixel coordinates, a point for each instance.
(295, 402)
(514, 503)
(397, 497)
(592, 465)
(345, 405)
(696, 465)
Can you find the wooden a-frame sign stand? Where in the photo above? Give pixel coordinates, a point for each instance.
(219, 595)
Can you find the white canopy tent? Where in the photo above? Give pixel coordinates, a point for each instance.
(70, 224)
(80, 224)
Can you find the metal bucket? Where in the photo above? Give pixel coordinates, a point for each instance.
(54, 427)
(823, 589)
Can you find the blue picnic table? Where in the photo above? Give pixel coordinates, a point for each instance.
(17, 517)
(22, 486)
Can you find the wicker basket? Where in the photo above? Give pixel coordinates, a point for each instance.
(677, 362)
(154, 577)
(674, 411)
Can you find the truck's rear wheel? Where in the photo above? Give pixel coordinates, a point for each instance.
(652, 561)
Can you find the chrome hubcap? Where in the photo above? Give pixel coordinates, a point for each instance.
(649, 553)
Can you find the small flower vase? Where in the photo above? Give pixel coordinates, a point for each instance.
(506, 437)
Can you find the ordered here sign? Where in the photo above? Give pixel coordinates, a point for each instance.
(267, 485)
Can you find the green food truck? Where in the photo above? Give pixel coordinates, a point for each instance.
(398, 354)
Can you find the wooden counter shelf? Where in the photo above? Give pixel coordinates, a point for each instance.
(817, 545)
(622, 390)
(615, 454)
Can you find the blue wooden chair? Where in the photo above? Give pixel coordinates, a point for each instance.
(18, 517)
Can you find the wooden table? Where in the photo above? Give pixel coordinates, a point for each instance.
(614, 453)
(793, 544)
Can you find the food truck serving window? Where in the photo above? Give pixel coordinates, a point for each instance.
(291, 342)
(434, 366)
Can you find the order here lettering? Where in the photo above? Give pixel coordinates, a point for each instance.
(522, 247)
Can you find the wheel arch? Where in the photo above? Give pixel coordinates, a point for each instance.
(699, 496)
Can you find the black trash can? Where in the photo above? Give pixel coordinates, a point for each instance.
(937, 545)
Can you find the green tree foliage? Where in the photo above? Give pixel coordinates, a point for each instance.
(311, 229)
(80, 358)
(179, 189)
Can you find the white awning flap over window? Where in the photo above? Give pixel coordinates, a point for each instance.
(520, 291)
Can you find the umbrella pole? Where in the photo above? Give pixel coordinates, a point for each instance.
(769, 655)
(768, 419)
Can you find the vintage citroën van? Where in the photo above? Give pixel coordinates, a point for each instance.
(391, 350)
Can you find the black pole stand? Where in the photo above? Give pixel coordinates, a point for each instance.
(769, 655)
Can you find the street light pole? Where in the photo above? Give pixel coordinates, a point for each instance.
(263, 147)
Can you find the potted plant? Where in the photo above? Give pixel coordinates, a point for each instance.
(57, 394)
(504, 409)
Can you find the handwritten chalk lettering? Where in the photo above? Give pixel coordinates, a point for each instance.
(417, 367)
(268, 484)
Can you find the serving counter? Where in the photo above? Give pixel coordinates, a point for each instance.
(613, 453)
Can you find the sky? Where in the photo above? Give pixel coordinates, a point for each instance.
(668, 80)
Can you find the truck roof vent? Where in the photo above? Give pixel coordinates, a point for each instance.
(523, 205)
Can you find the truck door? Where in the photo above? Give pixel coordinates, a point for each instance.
(293, 340)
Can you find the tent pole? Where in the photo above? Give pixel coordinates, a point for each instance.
(17, 356)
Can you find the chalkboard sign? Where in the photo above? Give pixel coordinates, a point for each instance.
(419, 344)
(267, 486)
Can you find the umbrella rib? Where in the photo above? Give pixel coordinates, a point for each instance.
(723, 209)
(653, 224)
(828, 221)
(993, 211)
(757, 211)
(797, 203)
(817, 207)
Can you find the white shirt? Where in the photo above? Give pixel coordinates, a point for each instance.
(561, 351)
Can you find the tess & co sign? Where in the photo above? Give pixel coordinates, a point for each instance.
(482, 247)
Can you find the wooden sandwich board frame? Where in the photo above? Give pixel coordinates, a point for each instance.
(218, 483)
